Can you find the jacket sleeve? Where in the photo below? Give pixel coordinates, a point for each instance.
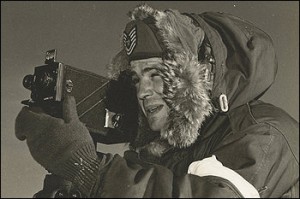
(125, 178)
(128, 178)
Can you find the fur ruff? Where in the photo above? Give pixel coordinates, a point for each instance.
(186, 89)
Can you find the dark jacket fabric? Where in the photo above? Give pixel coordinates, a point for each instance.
(256, 139)
(250, 140)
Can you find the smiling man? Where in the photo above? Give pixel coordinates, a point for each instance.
(149, 86)
(202, 131)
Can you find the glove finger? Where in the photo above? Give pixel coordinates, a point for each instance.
(30, 121)
(69, 109)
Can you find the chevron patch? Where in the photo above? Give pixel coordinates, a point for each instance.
(130, 40)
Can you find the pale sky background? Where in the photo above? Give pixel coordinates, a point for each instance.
(87, 35)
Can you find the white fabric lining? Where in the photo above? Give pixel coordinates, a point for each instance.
(212, 167)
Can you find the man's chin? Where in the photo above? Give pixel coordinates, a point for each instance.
(155, 124)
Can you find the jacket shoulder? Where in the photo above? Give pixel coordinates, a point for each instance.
(259, 117)
(284, 125)
(265, 112)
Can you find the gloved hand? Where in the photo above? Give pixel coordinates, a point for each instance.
(62, 146)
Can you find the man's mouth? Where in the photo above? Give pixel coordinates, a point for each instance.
(152, 109)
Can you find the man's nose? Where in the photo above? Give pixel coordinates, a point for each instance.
(145, 89)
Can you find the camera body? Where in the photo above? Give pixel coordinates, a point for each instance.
(99, 100)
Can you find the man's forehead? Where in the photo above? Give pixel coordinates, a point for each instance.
(144, 63)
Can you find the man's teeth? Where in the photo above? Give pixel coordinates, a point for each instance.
(151, 110)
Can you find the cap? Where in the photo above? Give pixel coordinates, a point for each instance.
(142, 40)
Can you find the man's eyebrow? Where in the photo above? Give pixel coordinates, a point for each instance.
(145, 70)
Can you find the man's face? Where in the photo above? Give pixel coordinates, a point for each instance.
(149, 85)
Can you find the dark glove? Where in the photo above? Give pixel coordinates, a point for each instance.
(62, 146)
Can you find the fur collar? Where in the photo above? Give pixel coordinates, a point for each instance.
(186, 87)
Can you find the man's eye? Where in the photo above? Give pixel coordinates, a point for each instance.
(154, 75)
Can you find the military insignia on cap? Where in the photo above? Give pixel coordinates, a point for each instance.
(130, 40)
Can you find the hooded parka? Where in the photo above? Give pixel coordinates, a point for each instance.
(256, 140)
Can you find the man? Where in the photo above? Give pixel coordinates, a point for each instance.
(202, 130)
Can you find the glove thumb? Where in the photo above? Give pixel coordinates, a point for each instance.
(69, 109)
(26, 120)
(19, 123)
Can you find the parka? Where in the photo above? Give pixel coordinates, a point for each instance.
(255, 139)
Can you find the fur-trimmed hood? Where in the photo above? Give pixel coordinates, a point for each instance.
(207, 56)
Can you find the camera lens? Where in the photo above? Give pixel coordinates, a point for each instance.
(46, 80)
(28, 81)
